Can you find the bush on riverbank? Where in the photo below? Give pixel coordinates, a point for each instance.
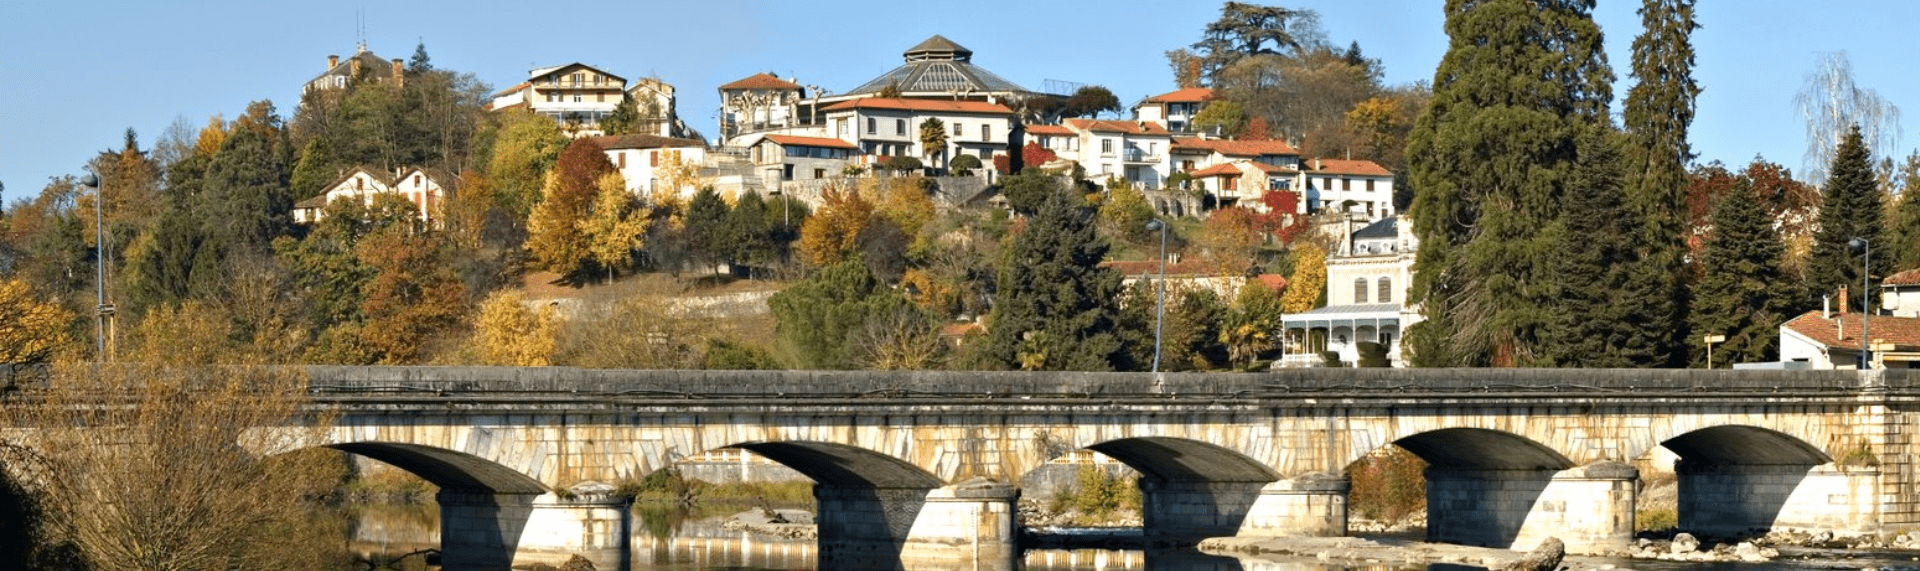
(669, 486)
(1098, 498)
(1388, 485)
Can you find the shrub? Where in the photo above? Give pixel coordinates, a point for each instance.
(903, 164)
(963, 165)
(1388, 485)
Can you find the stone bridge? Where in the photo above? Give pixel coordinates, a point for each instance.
(923, 466)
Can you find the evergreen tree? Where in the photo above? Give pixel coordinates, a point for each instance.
(818, 317)
(1904, 233)
(245, 202)
(1850, 207)
(1493, 157)
(1738, 294)
(420, 63)
(707, 225)
(622, 120)
(1604, 318)
(1056, 310)
(1657, 113)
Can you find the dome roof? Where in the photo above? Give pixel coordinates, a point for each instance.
(938, 67)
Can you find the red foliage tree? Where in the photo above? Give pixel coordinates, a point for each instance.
(1257, 130)
(1282, 218)
(1033, 155)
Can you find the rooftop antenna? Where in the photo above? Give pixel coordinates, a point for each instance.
(360, 26)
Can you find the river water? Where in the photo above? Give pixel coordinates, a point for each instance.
(388, 536)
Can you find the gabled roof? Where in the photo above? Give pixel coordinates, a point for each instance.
(1344, 166)
(1272, 169)
(644, 141)
(793, 141)
(922, 105)
(1843, 331)
(369, 63)
(1128, 127)
(1235, 148)
(1383, 228)
(546, 71)
(1222, 169)
(1048, 130)
(1188, 95)
(761, 81)
(1906, 278)
(511, 90)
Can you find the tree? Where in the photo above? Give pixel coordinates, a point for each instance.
(1607, 315)
(1225, 117)
(1831, 104)
(1850, 207)
(511, 334)
(964, 165)
(614, 226)
(1090, 101)
(419, 63)
(1244, 30)
(751, 230)
(1738, 294)
(1904, 233)
(244, 201)
(1250, 325)
(1658, 110)
(31, 330)
(1309, 279)
(707, 226)
(1056, 308)
(832, 235)
(1492, 158)
(820, 317)
(933, 140)
(624, 118)
(525, 146)
(1125, 213)
(554, 237)
(201, 447)
(412, 295)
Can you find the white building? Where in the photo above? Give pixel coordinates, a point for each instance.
(576, 95)
(363, 184)
(759, 103)
(1827, 339)
(1357, 186)
(885, 127)
(1367, 283)
(641, 159)
(1174, 110)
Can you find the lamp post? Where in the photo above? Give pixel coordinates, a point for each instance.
(1866, 263)
(1160, 303)
(101, 309)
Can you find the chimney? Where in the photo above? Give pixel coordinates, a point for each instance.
(399, 69)
(354, 62)
(1826, 307)
(1843, 300)
(333, 61)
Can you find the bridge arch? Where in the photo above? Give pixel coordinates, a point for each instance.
(1191, 489)
(1499, 489)
(1482, 449)
(1739, 480)
(448, 469)
(1182, 460)
(844, 466)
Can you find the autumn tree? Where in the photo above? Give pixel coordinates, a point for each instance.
(1125, 213)
(1228, 239)
(614, 226)
(1851, 206)
(525, 146)
(1309, 279)
(1057, 307)
(511, 334)
(413, 294)
(1251, 326)
(32, 330)
(554, 236)
(1492, 158)
(1222, 116)
(832, 234)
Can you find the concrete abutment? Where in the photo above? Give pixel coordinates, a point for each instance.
(489, 531)
(967, 524)
(1750, 499)
(1590, 508)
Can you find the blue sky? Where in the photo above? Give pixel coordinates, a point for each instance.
(74, 75)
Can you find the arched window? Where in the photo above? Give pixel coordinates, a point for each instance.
(1360, 290)
(1386, 290)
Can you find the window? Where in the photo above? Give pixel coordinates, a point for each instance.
(1106, 146)
(819, 173)
(899, 126)
(576, 80)
(600, 97)
(872, 126)
(576, 97)
(787, 173)
(653, 158)
(1230, 183)
(622, 162)
(416, 180)
(1369, 185)
(1346, 184)
(986, 132)
(1186, 165)
(1386, 290)
(1360, 290)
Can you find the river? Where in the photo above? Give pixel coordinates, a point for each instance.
(398, 537)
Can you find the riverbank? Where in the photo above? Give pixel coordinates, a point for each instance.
(1383, 552)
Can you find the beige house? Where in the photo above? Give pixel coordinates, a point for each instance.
(1367, 282)
(643, 159)
(576, 95)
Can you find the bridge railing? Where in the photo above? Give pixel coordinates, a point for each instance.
(694, 384)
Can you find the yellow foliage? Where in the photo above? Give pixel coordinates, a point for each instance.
(191, 333)
(613, 230)
(1308, 279)
(512, 334)
(833, 233)
(211, 137)
(552, 237)
(904, 201)
(31, 330)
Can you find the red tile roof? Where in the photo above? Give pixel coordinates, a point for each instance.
(642, 141)
(811, 142)
(1222, 169)
(1906, 278)
(1271, 169)
(922, 105)
(761, 81)
(1188, 95)
(1900, 331)
(1274, 282)
(1128, 127)
(1048, 130)
(1236, 148)
(1342, 166)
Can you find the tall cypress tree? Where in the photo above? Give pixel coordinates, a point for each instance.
(1851, 207)
(1658, 110)
(1057, 308)
(1492, 158)
(1738, 294)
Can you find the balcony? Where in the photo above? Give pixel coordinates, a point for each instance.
(1139, 156)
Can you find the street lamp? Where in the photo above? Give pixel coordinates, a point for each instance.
(102, 311)
(1866, 262)
(1160, 305)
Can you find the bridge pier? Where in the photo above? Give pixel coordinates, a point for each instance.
(1313, 505)
(1734, 500)
(972, 524)
(489, 531)
(1590, 508)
